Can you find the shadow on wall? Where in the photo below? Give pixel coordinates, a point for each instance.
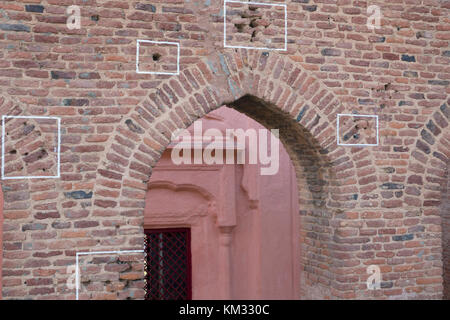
(301, 146)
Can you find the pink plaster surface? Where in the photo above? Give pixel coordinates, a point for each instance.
(244, 226)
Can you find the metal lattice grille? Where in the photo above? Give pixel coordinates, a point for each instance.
(168, 264)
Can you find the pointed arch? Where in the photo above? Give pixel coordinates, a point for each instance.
(278, 93)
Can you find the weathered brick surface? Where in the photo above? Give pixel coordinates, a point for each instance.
(384, 205)
(445, 212)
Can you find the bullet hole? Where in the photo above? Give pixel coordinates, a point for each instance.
(95, 17)
(13, 152)
(356, 136)
(42, 153)
(239, 27)
(26, 153)
(156, 57)
(253, 23)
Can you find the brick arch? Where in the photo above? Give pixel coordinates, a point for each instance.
(431, 149)
(285, 95)
(428, 186)
(176, 103)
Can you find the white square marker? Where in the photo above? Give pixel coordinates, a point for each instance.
(356, 144)
(77, 272)
(158, 42)
(58, 149)
(257, 4)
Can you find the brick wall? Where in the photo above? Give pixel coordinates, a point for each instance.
(445, 211)
(1, 239)
(360, 206)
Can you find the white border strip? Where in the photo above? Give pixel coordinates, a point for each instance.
(58, 174)
(77, 275)
(254, 3)
(158, 42)
(356, 144)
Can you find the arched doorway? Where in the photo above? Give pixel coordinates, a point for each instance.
(222, 231)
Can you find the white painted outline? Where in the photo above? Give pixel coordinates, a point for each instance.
(58, 175)
(154, 72)
(254, 3)
(77, 275)
(356, 144)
